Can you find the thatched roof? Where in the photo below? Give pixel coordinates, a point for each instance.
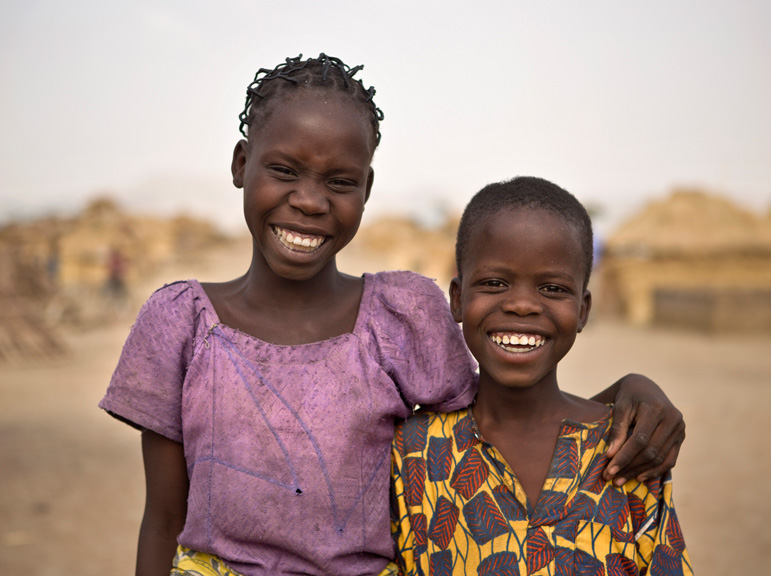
(690, 223)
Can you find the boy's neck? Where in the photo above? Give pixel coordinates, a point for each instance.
(524, 423)
(500, 404)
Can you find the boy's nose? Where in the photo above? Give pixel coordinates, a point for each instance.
(310, 198)
(522, 302)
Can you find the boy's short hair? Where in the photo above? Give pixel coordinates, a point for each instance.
(525, 192)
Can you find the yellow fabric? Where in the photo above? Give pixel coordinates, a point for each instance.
(461, 510)
(191, 563)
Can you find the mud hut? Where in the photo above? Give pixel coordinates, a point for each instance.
(693, 260)
(80, 271)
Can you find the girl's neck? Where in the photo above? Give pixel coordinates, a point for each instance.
(289, 312)
(262, 286)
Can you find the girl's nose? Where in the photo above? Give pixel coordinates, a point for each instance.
(310, 198)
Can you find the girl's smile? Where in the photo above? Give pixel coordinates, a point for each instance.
(306, 175)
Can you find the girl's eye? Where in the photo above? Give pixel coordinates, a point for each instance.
(282, 170)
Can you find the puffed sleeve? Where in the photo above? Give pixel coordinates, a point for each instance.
(658, 536)
(421, 346)
(146, 388)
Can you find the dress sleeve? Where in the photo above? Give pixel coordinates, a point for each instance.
(146, 388)
(421, 346)
(658, 537)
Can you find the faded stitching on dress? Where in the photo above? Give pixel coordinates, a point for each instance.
(339, 522)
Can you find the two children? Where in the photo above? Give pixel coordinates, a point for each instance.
(267, 404)
(512, 484)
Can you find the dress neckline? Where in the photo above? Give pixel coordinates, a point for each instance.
(361, 317)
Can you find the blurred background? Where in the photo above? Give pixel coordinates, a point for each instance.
(119, 121)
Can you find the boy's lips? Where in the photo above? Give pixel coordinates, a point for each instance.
(298, 241)
(517, 342)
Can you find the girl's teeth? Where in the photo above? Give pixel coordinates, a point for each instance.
(289, 238)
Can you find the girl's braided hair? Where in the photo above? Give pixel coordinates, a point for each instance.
(324, 71)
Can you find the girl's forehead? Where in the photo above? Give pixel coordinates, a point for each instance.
(307, 111)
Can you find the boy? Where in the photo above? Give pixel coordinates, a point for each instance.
(513, 483)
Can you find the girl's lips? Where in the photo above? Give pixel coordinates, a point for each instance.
(517, 341)
(298, 241)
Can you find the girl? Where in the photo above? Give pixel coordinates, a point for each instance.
(267, 403)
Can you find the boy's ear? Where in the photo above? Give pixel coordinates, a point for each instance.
(455, 300)
(238, 163)
(586, 306)
(370, 181)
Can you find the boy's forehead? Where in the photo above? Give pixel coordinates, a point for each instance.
(489, 232)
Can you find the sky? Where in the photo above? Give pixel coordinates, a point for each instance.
(618, 102)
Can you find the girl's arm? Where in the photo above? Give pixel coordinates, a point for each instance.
(165, 504)
(651, 446)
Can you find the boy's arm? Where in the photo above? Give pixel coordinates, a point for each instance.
(165, 504)
(650, 447)
(658, 536)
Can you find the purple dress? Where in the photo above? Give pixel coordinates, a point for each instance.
(287, 447)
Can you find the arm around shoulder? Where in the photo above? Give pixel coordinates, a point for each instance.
(647, 429)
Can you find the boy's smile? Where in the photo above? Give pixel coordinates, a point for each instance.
(306, 175)
(521, 297)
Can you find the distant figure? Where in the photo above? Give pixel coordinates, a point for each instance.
(513, 483)
(267, 404)
(53, 263)
(116, 274)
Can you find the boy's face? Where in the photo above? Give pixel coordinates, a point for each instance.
(521, 297)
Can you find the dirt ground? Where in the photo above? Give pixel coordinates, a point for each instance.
(71, 480)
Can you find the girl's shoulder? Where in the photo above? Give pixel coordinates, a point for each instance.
(400, 287)
(175, 304)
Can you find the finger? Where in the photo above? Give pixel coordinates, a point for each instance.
(623, 415)
(639, 439)
(659, 456)
(671, 451)
(644, 473)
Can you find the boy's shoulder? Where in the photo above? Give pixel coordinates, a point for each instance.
(415, 434)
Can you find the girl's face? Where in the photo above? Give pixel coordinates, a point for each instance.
(306, 175)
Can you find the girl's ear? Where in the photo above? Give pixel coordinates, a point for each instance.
(455, 300)
(238, 164)
(370, 181)
(586, 306)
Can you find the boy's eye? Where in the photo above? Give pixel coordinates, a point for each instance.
(342, 184)
(553, 289)
(492, 283)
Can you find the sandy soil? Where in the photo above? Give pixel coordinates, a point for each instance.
(71, 480)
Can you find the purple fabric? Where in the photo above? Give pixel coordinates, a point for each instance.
(287, 447)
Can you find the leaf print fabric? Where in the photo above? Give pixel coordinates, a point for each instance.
(458, 508)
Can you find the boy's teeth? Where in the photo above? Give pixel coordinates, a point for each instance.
(511, 342)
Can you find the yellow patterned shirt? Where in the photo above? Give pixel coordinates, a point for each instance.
(458, 508)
